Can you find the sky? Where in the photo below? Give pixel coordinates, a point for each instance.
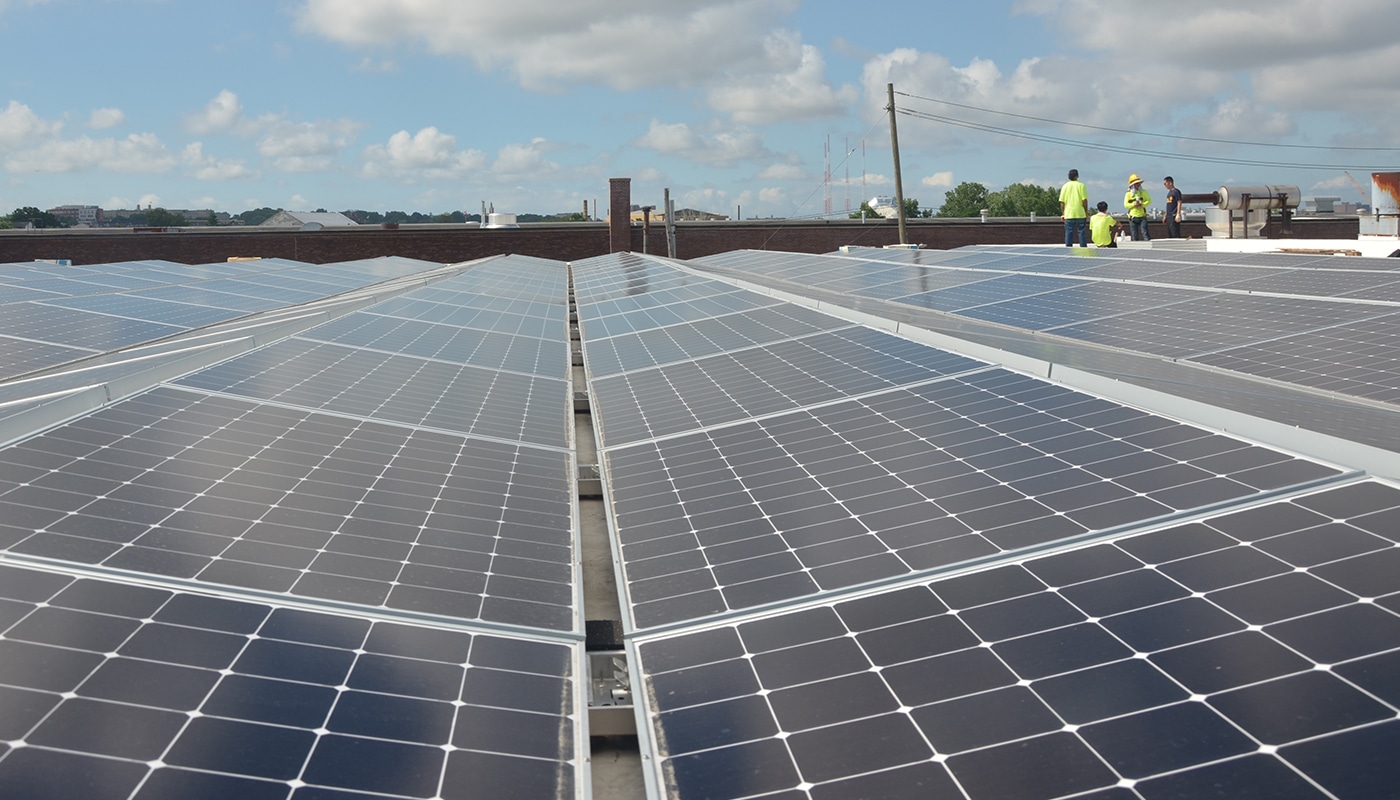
(736, 107)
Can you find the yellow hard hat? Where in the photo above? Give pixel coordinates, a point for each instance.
(1132, 179)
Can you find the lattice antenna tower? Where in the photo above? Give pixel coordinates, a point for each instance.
(846, 159)
(826, 179)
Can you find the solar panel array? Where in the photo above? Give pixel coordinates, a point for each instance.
(339, 565)
(1315, 321)
(55, 314)
(936, 577)
(345, 564)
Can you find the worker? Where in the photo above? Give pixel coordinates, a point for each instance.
(1136, 201)
(1102, 226)
(1173, 215)
(1074, 210)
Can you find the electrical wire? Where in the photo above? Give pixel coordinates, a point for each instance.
(1123, 149)
(1154, 135)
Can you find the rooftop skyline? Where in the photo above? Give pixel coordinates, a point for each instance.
(531, 106)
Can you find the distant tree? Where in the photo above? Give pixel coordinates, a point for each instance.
(1021, 200)
(5, 223)
(212, 220)
(319, 211)
(258, 216)
(364, 217)
(967, 200)
(450, 216)
(21, 217)
(912, 210)
(160, 218)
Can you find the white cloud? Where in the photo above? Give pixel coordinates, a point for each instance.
(149, 200)
(516, 162)
(724, 148)
(137, 153)
(305, 146)
(711, 199)
(730, 49)
(794, 88)
(104, 118)
(773, 196)
(783, 172)
(289, 145)
(208, 168)
(21, 127)
(220, 115)
(428, 154)
(1281, 56)
(544, 42)
(938, 180)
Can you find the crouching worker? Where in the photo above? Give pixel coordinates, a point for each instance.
(1103, 227)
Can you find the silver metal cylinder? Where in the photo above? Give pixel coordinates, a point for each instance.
(1233, 198)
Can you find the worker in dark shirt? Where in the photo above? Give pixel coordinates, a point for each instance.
(1173, 215)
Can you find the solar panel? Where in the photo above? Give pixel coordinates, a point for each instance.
(185, 315)
(74, 328)
(908, 480)
(751, 382)
(228, 492)
(1214, 658)
(1216, 322)
(19, 356)
(1126, 301)
(1357, 359)
(114, 690)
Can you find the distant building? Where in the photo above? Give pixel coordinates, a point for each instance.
(90, 216)
(296, 219)
(884, 206)
(682, 215)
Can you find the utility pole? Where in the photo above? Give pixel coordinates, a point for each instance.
(898, 183)
(670, 224)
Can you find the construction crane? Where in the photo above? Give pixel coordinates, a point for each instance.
(1365, 198)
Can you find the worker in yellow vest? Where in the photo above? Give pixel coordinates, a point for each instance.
(1136, 201)
(1074, 210)
(1102, 226)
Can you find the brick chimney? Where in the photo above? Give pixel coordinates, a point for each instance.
(620, 215)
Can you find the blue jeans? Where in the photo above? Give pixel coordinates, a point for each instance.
(1082, 226)
(1138, 227)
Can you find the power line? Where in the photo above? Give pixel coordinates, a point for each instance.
(1155, 135)
(1123, 149)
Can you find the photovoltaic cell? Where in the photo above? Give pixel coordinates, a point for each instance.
(1247, 654)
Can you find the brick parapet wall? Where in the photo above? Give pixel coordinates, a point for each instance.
(561, 241)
